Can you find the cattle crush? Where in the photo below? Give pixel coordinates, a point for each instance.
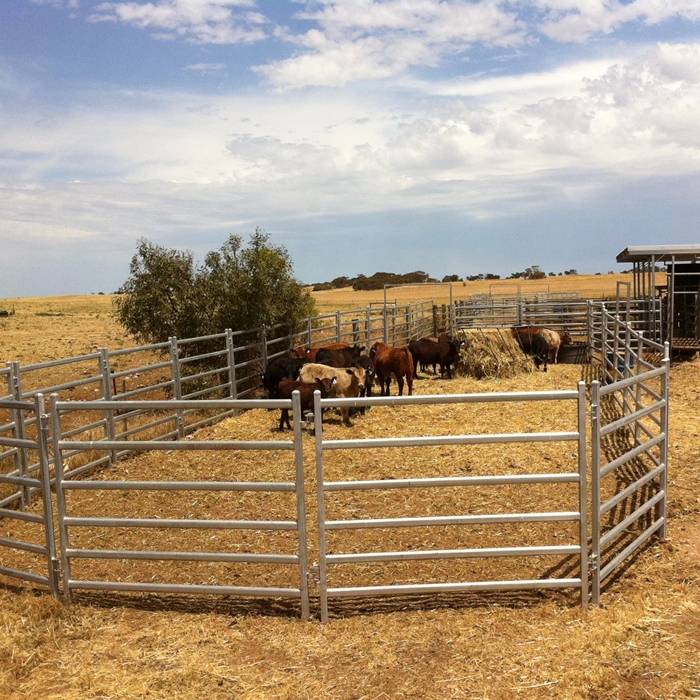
(106, 489)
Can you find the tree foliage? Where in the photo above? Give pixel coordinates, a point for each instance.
(240, 286)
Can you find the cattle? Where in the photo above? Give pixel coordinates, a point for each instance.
(342, 357)
(555, 340)
(311, 353)
(428, 351)
(284, 367)
(390, 361)
(348, 382)
(533, 342)
(306, 391)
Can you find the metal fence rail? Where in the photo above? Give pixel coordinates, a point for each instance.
(42, 525)
(68, 518)
(578, 514)
(629, 435)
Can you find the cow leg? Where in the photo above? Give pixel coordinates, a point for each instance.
(399, 381)
(284, 417)
(410, 385)
(345, 412)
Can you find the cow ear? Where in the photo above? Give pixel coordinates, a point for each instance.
(362, 348)
(334, 380)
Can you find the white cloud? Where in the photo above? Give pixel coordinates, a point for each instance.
(369, 39)
(157, 162)
(577, 20)
(199, 21)
(205, 68)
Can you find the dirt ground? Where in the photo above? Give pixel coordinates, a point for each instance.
(642, 642)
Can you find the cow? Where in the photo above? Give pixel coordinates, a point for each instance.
(311, 353)
(390, 361)
(283, 367)
(428, 351)
(348, 382)
(555, 340)
(343, 357)
(306, 391)
(532, 341)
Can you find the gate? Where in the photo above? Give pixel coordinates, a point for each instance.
(29, 535)
(71, 518)
(576, 514)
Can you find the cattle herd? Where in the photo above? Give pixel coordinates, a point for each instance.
(343, 370)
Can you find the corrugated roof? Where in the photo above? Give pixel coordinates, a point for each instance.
(661, 253)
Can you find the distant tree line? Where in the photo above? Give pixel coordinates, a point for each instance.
(375, 281)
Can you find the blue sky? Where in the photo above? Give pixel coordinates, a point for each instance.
(452, 136)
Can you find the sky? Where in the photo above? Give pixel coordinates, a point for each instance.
(451, 136)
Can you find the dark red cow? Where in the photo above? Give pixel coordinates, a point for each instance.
(389, 361)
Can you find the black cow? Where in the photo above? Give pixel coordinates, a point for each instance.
(428, 351)
(345, 357)
(284, 367)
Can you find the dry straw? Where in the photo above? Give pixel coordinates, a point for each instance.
(491, 354)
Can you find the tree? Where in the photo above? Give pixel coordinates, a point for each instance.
(534, 273)
(239, 286)
(451, 278)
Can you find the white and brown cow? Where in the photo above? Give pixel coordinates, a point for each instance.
(349, 382)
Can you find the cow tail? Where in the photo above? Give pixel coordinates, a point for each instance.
(411, 367)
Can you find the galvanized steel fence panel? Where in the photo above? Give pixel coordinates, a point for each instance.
(70, 518)
(324, 486)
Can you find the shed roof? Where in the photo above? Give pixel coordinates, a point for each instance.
(660, 253)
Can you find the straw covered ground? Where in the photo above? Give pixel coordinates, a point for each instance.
(643, 641)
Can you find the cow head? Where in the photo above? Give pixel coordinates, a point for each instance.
(325, 386)
(566, 338)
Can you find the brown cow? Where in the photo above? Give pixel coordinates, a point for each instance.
(428, 351)
(306, 391)
(390, 361)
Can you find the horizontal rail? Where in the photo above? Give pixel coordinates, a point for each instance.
(84, 428)
(140, 370)
(200, 338)
(143, 389)
(632, 454)
(571, 477)
(611, 534)
(475, 553)
(12, 405)
(481, 397)
(631, 418)
(24, 575)
(181, 523)
(21, 544)
(182, 556)
(139, 348)
(146, 445)
(434, 440)
(203, 356)
(417, 588)
(18, 480)
(443, 520)
(631, 548)
(21, 515)
(631, 381)
(57, 363)
(184, 588)
(180, 485)
(156, 404)
(18, 442)
(632, 488)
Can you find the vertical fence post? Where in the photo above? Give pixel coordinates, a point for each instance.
(435, 319)
(60, 496)
(42, 439)
(638, 386)
(355, 331)
(301, 506)
(393, 325)
(368, 326)
(320, 508)
(20, 432)
(338, 333)
(231, 354)
(589, 326)
(595, 491)
(107, 396)
(309, 332)
(385, 332)
(263, 346)
(665, 381)
(177, 384)
(582, 492)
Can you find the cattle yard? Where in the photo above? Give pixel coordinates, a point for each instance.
(182, 644)
(401, 540)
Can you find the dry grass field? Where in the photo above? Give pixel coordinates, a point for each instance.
(642, 642)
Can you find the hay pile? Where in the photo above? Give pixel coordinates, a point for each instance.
(491, 354)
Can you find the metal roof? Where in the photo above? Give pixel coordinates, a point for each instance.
(660, 253)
